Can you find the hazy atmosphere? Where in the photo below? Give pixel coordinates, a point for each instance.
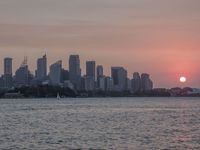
(154, 36)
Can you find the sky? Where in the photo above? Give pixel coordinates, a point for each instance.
(160, 37)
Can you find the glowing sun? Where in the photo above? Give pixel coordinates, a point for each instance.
(183, 79)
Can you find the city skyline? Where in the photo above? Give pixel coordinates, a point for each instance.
(83, 68)
(94, 78)
(158, 37)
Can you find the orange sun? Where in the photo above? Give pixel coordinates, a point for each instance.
(183, 79)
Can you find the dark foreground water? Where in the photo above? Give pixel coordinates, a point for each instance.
(110, 123)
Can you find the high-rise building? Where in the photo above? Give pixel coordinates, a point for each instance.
(8, 66)
(55, 73)
(22, 75)
(90, 73)
(1, 82)
(64, 75)
(88, 83)
(136, 83)
(90, 69)
(129, 86)
(75, 71)
(119, 75)
(41, 71)
(102, 83)
(99, 71)
(99, 74)
(7, 77)
(108, 84)
(146, 82)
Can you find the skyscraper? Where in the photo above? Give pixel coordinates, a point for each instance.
(88, 83)
(90, 69)
(8, 66)
(64, 75)
(102, 83)
(146, 82)
(23, 75)
(90, 73)
(108, 84)
(7, 77)
(55, 73)
(75, 71)
(99, 74)
(136, 83)
(41, 71)
(99, 71)
(119, 75)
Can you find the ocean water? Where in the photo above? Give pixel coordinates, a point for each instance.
(100, 123)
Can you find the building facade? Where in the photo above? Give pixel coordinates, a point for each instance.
(41, 71)
(119, 76)
(146, 83)
(90, 69)
(75, 71)
(7, 77)
(55, 73)
(136, 83)
(22, 76)
(99, 74)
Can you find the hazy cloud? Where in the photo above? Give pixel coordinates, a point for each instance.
(140, 31)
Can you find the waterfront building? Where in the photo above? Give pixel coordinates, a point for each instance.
(136, 83)
(99, 74)
(119, 75)
(108, 84)
(55, 73)
(75, 71)
(129, 84)
(1, 82)
(8, 66)
(99, 71)
(146, 82)
(7, 77)
(64, 75)
(41, 71)
(23, 75)
(102, 83)
(89, 84)
(90, 69)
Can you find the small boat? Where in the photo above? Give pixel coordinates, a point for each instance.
(58, 96)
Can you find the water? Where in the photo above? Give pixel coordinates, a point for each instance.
(110, 123)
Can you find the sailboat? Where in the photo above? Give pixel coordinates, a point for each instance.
(58, 96)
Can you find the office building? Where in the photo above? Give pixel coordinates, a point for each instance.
(41, 71)
(64, 75)
(102, 83)
(99, 71)
(55, 73)
(90, 69)
(1, 82)
(8, 66)
(129, 84)
(75, 71)
(146, 82)
(89, 83)
(99, 74)
(119, 75)
(7, 77)
(136, 83)
(23, 75)
(108, 84)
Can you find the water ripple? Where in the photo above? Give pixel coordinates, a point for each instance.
(99, 124)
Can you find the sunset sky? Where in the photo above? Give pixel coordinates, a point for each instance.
(160, 37)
